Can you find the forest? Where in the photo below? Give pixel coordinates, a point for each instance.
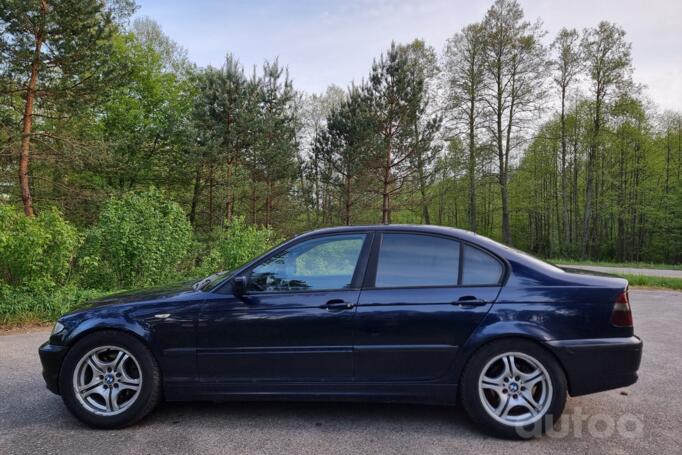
(124, 163)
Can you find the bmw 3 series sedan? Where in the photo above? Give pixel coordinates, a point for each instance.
(388, 313)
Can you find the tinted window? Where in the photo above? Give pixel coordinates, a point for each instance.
(324, 263)
(417, 260)
(480, 268)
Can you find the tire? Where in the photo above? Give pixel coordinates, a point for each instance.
(504, 405)
(118, 379)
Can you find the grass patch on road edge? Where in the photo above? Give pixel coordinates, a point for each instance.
(21, 306)
(653, 281)
(636, 265)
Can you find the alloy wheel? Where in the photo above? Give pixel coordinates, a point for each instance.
(107, 380)
(515, 389)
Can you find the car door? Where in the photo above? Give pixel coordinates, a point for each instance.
(295, 321)
(420, 303)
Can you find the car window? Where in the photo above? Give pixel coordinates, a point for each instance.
(480, 268)
(323, 263)
(417, 260)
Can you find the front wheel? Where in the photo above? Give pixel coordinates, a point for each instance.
(514, 388)
(109, 379)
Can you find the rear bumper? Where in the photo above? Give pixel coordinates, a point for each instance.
(51, 357)
(598, 364)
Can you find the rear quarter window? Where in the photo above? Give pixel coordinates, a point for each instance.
(480, 268)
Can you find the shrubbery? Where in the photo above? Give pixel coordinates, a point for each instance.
(236, 244)
(34, 304)
(35, 251)
(140, 239)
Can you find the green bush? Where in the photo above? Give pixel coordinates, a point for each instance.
(36, 250)
(236, 244)
(140, 239)
(19, 305)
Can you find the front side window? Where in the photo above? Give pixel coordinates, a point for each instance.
(417, 260)
(316, 264)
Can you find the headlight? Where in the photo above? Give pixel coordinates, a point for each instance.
(58, 327)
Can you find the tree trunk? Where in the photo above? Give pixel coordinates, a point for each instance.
(210, 197)
(386, 207)
(27, 119)
(426, 219)
(472, 166)
(564, 178)
(195, 196)
(253, 202)
(589, 182)
(229, 203)
(347, 201)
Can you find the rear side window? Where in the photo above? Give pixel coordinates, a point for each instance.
(480, 268)
(417, 260)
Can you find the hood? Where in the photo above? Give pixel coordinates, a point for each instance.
(181, 289)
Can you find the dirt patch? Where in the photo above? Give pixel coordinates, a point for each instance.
(25, 328)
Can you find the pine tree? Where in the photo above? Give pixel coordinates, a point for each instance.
(55, 52)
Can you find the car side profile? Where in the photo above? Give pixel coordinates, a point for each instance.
(389, 313)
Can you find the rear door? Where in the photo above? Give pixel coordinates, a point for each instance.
(423, 296)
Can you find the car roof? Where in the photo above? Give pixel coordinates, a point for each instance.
(423, 228)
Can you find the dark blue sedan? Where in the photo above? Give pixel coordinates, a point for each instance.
(418, 314)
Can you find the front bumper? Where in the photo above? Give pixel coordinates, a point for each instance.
(598, 364)
(51, 357)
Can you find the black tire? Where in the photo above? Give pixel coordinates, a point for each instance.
(149, 391)
(473, 402)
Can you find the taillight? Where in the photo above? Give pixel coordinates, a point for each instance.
(622, 314)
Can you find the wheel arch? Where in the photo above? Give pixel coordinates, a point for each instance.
(84, 330)
(482, 338)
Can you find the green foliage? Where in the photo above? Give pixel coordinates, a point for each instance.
(139, 240)
(653, 281)
(35, 250)
(21, 305)
(237, 244)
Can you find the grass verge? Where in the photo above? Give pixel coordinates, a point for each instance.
(653, 281)
(637, 265)
(33, 306)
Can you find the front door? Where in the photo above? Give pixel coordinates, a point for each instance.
(295, 322)
(424, 296)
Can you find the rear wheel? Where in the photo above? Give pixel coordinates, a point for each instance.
(514, 388)
(109, 379)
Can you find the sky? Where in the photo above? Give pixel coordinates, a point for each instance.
(327, 42)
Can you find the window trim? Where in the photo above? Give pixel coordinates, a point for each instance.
(358, 273)
(369, 282)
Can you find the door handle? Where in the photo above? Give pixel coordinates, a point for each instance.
(469, 301)
(337, 304)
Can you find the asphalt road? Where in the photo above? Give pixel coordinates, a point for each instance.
(629, 270)
(34, 421)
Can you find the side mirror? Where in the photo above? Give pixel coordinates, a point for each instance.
(239, 286)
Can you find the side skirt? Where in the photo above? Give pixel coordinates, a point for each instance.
(441, 394)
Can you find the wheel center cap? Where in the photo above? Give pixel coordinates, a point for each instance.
(513, 387)
(109, 379)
